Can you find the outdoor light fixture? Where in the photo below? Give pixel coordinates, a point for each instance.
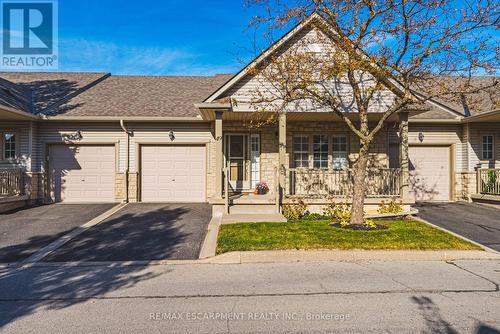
(421, 136)
(171, 135)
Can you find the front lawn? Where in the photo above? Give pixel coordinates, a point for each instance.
(304, 234)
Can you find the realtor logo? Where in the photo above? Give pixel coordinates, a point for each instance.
(29, 34)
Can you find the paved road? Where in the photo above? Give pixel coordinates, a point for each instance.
(141, 232)
(474, 221)
(362, 297)
(24, 232)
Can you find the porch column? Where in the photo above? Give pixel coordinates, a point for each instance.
(403, 156)
(282, 152)
(218, 154)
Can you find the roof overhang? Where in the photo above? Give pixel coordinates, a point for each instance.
(491, 116)
(11, 114)
(156, 119)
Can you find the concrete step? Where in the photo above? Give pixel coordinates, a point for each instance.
(252, 218)
(252, 209)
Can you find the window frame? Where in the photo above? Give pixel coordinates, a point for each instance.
(3, 151)
(312, 153)
(308, 152)
(483, 158)
(346, 152)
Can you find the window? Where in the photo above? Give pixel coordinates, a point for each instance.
(340, 160)
(320, 151)
(9, 145)
(487, 148)
(301, 151)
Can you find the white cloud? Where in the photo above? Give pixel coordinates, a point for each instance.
(86, 55)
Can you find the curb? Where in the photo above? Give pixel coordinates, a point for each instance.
(45, 251)
(209, 245)
(456, 235)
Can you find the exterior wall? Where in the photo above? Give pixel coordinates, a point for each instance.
(269, 157)
(476, 131)
(248, 90)
(22, 129)
(111, 133)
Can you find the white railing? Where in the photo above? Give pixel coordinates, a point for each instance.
(11, 182)
(488, 181)
(339, 183)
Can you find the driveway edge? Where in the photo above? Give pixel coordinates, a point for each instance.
(488, 249)
(45, 251)
(209, 245)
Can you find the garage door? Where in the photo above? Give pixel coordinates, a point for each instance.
(82, 173)
(430, 173)
(173, 173)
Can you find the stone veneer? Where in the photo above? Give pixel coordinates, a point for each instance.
(132, 187)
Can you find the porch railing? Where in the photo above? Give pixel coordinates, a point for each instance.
(488, 181)
(11, 182)
(340, 183)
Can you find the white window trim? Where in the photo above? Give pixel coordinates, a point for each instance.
(2, 144)
(308, 150)
(346, 148)
(328, 158)
(492, 147)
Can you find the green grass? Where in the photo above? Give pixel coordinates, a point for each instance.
(302, 234)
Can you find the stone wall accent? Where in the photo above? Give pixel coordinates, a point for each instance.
(465, 185)
(132, 187)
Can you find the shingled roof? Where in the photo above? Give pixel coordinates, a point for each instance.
(100, 94)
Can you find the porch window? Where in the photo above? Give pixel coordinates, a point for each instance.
(340, 160)
(9, 145)
(320, 151)
(301, 151)
(487, 148)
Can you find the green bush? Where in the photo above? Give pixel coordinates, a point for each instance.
(394, 206)
(314, 216)
(295, 210)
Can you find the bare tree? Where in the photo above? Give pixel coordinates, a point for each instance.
(366, 56)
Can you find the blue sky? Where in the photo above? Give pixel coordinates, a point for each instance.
(169, 37)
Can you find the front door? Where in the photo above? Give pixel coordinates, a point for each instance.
(237, 161)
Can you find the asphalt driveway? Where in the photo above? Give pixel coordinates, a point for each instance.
(24, 232)
(474, 221)
(141, 232)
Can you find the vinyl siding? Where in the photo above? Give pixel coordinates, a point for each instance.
(249, 87)
(476, 132)
(23, 152)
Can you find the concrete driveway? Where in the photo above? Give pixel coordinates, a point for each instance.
(26, 231)
(141, 232)
(474, 221)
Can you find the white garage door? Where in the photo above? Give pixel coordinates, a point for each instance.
(430, 173)
(82, 173)
(173, 173)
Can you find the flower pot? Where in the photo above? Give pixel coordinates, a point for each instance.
(261, 191)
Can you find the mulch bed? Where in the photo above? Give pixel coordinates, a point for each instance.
(357, 227)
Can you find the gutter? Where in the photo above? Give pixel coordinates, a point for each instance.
(127, 159)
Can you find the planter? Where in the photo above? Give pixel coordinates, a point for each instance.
(261, 191)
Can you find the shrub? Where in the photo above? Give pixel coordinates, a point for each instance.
(369, 223)
(394, 206)
(340, 212)
(294, 210)
(314, 216)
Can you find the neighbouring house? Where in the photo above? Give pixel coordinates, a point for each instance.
(95, 137)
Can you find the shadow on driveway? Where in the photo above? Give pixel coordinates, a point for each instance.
(141, 232)
(24, 232)
(473, 221)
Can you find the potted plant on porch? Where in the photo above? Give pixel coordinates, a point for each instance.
(261, 188)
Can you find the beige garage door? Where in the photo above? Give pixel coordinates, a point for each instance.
(173, 173)
(82, 173)
(430, 173)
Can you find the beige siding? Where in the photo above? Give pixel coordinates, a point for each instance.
(22, 130)
(251, 88)
(476, 132)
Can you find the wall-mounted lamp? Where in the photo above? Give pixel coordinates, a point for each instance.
(171, 135)
(421, 136)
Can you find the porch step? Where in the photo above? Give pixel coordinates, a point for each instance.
(252, 218)
(254, 208)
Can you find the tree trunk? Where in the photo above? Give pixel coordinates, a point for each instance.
(358, 198)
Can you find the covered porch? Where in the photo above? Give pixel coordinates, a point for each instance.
(308, 156)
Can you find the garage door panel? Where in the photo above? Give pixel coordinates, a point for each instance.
(430, 173)
(82, 173)
(173, 173)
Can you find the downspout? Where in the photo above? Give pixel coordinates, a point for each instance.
(127, 160)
